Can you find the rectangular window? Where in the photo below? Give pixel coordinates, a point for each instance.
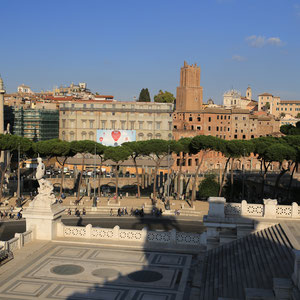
(141, 125)
(209, 119)
(83, 123)
(113, 124)
(103, 124)
(63, 123)
(150, 126)
(157, 125)
(131, 125)
(123, 123)
(91, 124)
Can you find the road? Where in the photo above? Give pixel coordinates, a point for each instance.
(9, 228)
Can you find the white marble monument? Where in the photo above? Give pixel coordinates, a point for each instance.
(43, 213)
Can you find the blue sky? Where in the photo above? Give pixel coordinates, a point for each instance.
(120, 47)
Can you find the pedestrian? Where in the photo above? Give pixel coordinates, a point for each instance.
(111, 212)
(126, 212)
(83, 212)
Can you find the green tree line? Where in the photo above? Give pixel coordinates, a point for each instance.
(284, 150)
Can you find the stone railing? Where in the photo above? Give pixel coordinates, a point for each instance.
(269, 209)
(143, 236)
(18, 241)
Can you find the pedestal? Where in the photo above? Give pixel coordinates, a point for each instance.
(43, 220)
(270, 208)
(216, 207)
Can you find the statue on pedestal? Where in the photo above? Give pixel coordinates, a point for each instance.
(45, 197)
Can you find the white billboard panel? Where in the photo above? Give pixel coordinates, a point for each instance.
(115, 137)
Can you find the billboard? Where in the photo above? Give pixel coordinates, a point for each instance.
(115, 137)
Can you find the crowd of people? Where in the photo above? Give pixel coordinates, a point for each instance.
(77, 212)
(10, 214)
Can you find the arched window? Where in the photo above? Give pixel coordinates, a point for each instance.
(63, 135)
(149, 136)
(83, 135)
(140, 136)
(189, 162)
(158, 136)
(91, 135)
(170, 136)
(72, 136)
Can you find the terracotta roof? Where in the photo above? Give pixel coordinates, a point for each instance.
(290, 101)
(265, 94)
(104, 96)
(252, 103)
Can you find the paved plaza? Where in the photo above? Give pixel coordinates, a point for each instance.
(57, 270)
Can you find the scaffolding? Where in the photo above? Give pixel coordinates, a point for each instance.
(36, 124)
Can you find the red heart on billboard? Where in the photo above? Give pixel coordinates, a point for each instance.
(101, 139)
(116, 135)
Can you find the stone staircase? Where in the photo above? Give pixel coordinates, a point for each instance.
(247, 265)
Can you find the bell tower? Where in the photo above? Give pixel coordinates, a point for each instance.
(189, 96)
(249, 93)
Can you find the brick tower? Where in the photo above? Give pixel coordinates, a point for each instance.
(189, 94)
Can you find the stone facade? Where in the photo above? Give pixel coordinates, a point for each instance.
(80, 120)
(234, 99)
(189, 93)
(275, 106)
(227, 123)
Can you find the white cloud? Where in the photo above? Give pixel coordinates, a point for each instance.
(275, 41)
(238, 58)
(256, 41)
(261, 41)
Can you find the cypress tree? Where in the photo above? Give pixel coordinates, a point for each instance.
(144, 96)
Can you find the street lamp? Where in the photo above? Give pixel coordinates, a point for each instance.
(95, 173)
(168, 177)
(243, 166)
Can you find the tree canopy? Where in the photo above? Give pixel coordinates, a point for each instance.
(144, 96)
(164, 97)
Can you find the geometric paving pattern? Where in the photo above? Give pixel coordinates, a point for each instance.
(91, 272)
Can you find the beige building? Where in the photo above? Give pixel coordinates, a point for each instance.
(80, 120)
(24, 89)
(288, 120)
(277, 107)
(234, 99)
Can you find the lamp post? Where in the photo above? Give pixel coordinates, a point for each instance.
(168, 178)
(95, 173)
(243, 170)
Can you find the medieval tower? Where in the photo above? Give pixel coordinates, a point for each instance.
(189, 96)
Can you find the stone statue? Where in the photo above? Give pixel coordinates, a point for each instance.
(7, 129)
(45, 197)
